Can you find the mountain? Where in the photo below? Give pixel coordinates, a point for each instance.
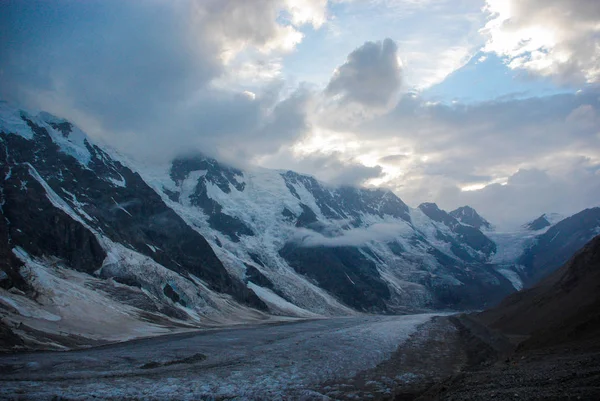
(562, 308)
(555, 329)
(545, 220)
(538, 224)
(467, 215)
(555, 246)
(365, 247)
(96, 247)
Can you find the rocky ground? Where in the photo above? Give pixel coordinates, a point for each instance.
(457, 358)
(552, 374)
(415, 357)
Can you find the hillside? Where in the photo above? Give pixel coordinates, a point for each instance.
(562, 308)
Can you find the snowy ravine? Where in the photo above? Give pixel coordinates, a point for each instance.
(265, 362)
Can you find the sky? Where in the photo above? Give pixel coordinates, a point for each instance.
(490, 103)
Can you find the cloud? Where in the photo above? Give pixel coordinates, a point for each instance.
(526, 156)
(156, 78)
(334, 168)
(307, 11)
(454, 154)
(150, 78)
(393, 158)
(531, 192)
(380, 232)
(371, 76)
(547, 37)
(238, 24)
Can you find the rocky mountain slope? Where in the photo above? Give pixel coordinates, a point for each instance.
(197, 242)
(554, 247)
(555, 326)
(563, 307)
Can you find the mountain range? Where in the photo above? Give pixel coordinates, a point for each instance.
(96, 247)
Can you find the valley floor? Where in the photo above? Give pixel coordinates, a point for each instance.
(278, 361)
(422, 357)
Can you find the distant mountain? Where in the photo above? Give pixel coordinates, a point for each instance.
(538, 224)
(365, 247)
(466, 234)
(545, 220)
(468, 215)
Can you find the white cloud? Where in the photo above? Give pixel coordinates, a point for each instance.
(433, 69)
(555, 38)
(371, 76)
(510, 158)
(240, 24)
(308, 11)
(334, 167)
(379, 232)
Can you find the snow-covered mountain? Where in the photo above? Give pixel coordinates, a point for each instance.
(101, 248)
(544, 221)
(469, 216)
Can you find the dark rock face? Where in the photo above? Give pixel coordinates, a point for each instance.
(553, 248)
(255, 276)
(538, 224)
(173, 295)
(307, 217)
(107, 197)
(343, 271)
(10, 265)
(468, 215)
(44, 230)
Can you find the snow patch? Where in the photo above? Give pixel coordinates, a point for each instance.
(513, 277)
(11, 121)
(280, 305)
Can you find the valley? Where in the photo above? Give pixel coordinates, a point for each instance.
(254, 362)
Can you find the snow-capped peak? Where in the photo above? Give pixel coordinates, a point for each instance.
(70, 139)
(469, 216)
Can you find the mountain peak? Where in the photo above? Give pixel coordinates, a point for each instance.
(538, 224)
(69, 138)
(433, 211)
(468, 215)
(545, 220)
